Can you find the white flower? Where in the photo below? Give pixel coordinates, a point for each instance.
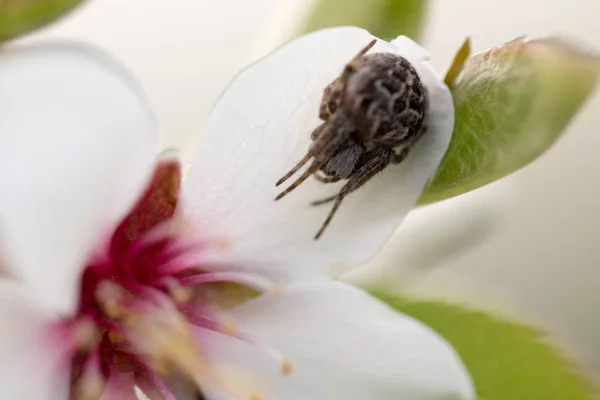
(99, 302)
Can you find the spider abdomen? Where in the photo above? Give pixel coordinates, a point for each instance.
(386, 101)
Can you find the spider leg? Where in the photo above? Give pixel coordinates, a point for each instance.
(329, 101)
(333, 91)
(292, 171)
(336, 205)
(350, 68)
(363, 51)
(311, 170)
(316, 134)
(370, 165)
(329, 140)
(325, 200)
(327, 179)
(401, 156)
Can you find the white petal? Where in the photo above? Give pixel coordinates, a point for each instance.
(77, 144)
(434, 236)
(343, 344)
(261, 127)
(28, 365)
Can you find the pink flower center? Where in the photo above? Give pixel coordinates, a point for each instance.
(144, 307)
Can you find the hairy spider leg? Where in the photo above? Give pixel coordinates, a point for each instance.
(396, 159)
(374, 162)
(401, 156)
(314, 167)
(316, 133)
(327, 179)
(319, 130)
(336, 205)
(333, 91)
(364, 50)
(330, 95)
(350, 68)
(322, 149)
(292, 171)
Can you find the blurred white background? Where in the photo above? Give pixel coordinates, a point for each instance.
(543, 259)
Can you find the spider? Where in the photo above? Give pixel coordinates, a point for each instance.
(375, 106)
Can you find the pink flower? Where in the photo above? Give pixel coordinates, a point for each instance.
(115, 282)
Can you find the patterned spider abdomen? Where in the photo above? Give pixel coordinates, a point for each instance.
(386, 101)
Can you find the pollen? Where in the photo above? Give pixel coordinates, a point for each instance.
(182, 225)
(276, 290)
(181, 295)
(221, 244)
(84, 334)
(115, 338)
(287, 367)
(229, 326)
(113, 310)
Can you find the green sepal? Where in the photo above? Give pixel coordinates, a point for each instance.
(507, 360)
(19, 17)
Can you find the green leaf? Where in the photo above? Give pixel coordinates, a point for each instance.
(512, 103)
(507, 360)
(18, 17)
(383, 18)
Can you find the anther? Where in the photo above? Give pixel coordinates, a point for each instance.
(277, 290)
(92, 383)
(113, 309)
(229, 326)
(109, 296)
(84, 334)
(252, 281)
(181, 294)
(287, 367)
(114, 337)
(221, 244)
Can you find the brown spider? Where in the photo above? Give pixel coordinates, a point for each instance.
(377, 104)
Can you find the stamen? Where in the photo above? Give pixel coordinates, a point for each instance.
(159, 384)
(252, 281)
(83, 334)
(140, 316)
(208, 324)
(91, 382)
(180, 294)
(110, 297)
(285, 364)
(229, 326)
(119, 384)
(179, 258)
(196, 310)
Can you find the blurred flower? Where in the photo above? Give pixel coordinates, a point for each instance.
(113, 287)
